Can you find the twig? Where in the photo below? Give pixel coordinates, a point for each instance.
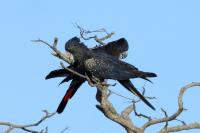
(65, 129)
(144, 90)
(57, 53)
(83, 32)
(112, 92)
(72, 71)
(177, 113)
(140, 114)
(181, 121)
(165, 116)
(12, 126)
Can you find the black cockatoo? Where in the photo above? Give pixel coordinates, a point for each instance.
(117, 49)
(113, 50)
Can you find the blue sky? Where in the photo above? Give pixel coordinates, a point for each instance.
(163, 37)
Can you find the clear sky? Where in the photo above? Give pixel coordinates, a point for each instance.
(164, 37)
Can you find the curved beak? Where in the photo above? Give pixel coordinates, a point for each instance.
(123, 55)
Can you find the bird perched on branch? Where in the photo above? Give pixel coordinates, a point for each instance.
(102, 63)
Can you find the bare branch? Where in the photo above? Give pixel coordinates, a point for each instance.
(178, 112)
(166, 125)
(183, 123)
(12, 126)
(127, 111)
(140, 114)
(57, 53)
(65, 129)
(72, 71)
(109, 111)
(84, 32)
(9, 129)
(112, 92)
(181, 128)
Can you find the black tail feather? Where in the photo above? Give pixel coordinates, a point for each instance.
(74, 85)
(147, 80)
(149, 74)
(61, 106)
(68, 78)
(128, 85)
(57, 73)
(145, 75)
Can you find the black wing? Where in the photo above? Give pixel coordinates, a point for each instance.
(106, 67)
(116, 48)
(57, 73)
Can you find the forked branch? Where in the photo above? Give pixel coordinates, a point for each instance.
(12, 126)
(84, 33)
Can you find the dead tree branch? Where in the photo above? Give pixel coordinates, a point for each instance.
(109, 111)
(84, 32)
(140, 114)
(181, 128)
(12, 126)
(176, 114)
(66, 57)
(72, 71)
